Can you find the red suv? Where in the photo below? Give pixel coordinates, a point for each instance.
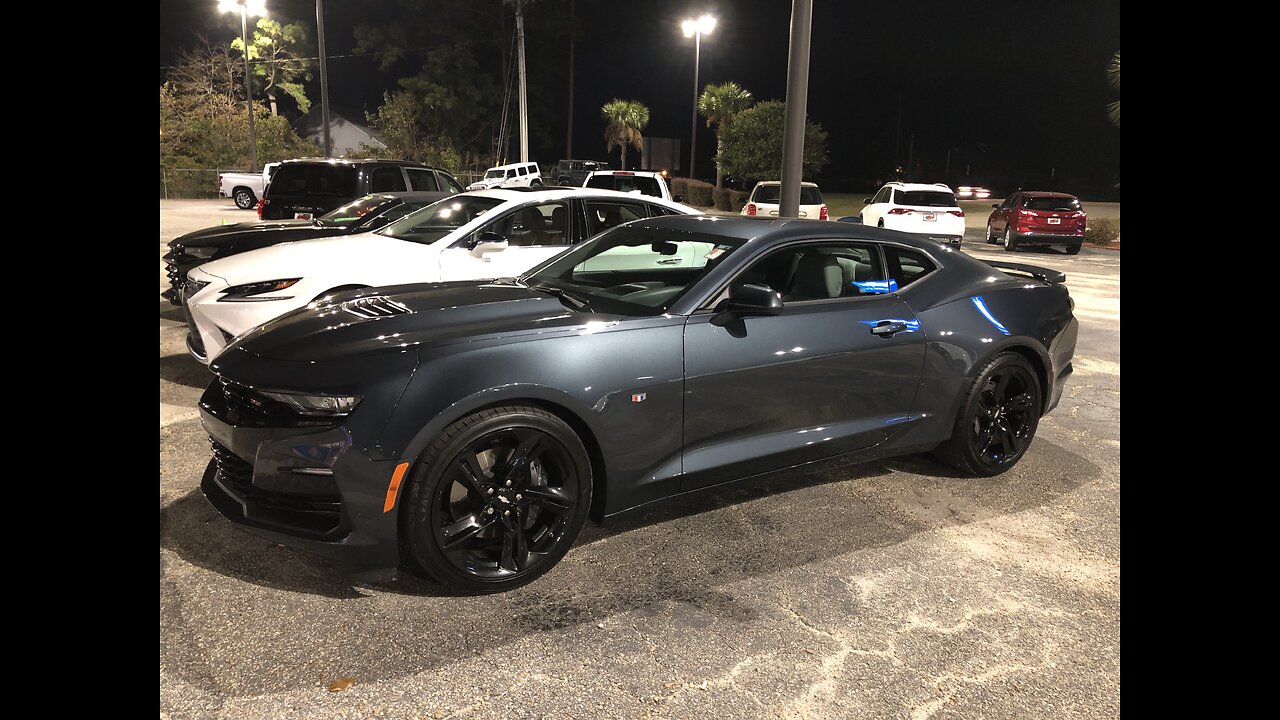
(1037, 218)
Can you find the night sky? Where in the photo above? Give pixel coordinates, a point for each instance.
(1014, 89)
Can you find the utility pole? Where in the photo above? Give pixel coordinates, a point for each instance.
(797, 102)
(524, 97)
(568, 142)
(911, 153)
(324, 80)
(248, 88)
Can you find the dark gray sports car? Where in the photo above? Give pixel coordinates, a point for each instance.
(467, 430)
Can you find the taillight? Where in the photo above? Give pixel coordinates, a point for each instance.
(957, 213)
(751, 208)
(822, 214)
(900, 211)
(261, 202)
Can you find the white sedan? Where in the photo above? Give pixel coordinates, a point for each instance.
(472, 236)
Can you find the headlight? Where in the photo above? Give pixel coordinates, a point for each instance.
(203, 252)
(317, 404)
(248, 291)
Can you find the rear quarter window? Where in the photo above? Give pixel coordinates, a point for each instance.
(907, 266)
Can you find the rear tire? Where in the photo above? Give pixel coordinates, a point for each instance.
(496, 500)
(244, 198)
(1010, 242)
(880, 223)
(997, 420)
(1073, 249)
(535, 183)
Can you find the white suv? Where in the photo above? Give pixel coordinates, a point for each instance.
(766, 198)
(923, 209)
(508, 176)
(644, 182)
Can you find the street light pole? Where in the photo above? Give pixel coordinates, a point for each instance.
(324, 80)
(797, 101)
(696, 29)
(256, 8)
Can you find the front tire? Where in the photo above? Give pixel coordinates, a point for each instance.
(1073, 249)
(997, 420)
(495, 500)
(1010, 242)
(244, 198)
(991, 235)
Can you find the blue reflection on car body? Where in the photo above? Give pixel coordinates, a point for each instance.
(982, 308)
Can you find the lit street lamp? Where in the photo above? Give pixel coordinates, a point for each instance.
(696, 29)
(256, 8)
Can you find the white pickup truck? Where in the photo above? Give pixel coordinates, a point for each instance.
(245, 188)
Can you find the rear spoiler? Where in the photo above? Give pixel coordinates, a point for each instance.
(1035, 271)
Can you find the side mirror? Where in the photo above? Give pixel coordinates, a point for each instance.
(488, 242)
(678, 198)
(747, 300)
(866, 201)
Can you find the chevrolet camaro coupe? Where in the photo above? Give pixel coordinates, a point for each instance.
(466, 430)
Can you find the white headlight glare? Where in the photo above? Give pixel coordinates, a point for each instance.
(317, 404)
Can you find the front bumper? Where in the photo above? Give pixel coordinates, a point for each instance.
(1037, 238)
(268, 475)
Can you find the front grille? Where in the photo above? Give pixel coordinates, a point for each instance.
(309, 513)
(374, 307)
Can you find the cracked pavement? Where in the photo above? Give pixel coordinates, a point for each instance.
(889, 590)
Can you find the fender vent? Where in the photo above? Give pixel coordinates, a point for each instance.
(374, 307)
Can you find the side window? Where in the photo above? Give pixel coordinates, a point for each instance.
(659, 211)
(879, 198)
(545, 224)
(603, 215)
(448, 183)
(422, 180)
(386, 179)
(906, 266)
(820, 272)
(511, 173)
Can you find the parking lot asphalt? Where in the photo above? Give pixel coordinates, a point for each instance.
(891, 589)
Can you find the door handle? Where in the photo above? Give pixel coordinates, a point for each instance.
(671, 261)
(887, 328)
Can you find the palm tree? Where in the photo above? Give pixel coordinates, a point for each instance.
(625, 118)
(719, 104)
(1113, 78)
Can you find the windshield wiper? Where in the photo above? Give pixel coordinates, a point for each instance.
(577, 301)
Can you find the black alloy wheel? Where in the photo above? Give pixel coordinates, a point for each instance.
(998, 419)
(244, 199)
(496, 500)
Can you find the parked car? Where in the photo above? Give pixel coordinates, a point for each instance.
(478, 234)
(468, 429)
(246, 188)
(644, 182)
(308, 188)
(509, 176)
(927, 209)
(1038, 218)
(362, 215)
(575, 172)
(766, 199)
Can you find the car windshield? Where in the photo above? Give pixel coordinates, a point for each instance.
(1061, 204)
(771, 194)
(439, 218)
(924, 198)
(492, 174)
(632, 270)
(642, 184)
(357, 210)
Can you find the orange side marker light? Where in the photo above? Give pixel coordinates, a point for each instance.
(394, 487)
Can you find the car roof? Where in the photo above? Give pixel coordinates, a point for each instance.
(626, 172)
(760, 231)
(562, 192)
(511, 165)
(346, 161)
(1045, 193)
(919, 186)
(804, 183)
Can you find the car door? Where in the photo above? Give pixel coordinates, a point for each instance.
(1003, 212)
(871, 213)
(835, 371)
(533, 233)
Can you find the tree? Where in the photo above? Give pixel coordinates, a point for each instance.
(400, 122)
(624, 120)
(720, 104)
(752, 144)
(1113, 79)
(276, 62)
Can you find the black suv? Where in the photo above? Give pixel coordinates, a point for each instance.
(308, 188)
(574, 172)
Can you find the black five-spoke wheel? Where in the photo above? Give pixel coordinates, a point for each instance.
(497, 499)
(998, 419)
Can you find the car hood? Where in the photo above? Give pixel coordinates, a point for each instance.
(342, 254)
(413, 317)
(220, 234)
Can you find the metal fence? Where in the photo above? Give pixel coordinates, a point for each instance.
(189, 182)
